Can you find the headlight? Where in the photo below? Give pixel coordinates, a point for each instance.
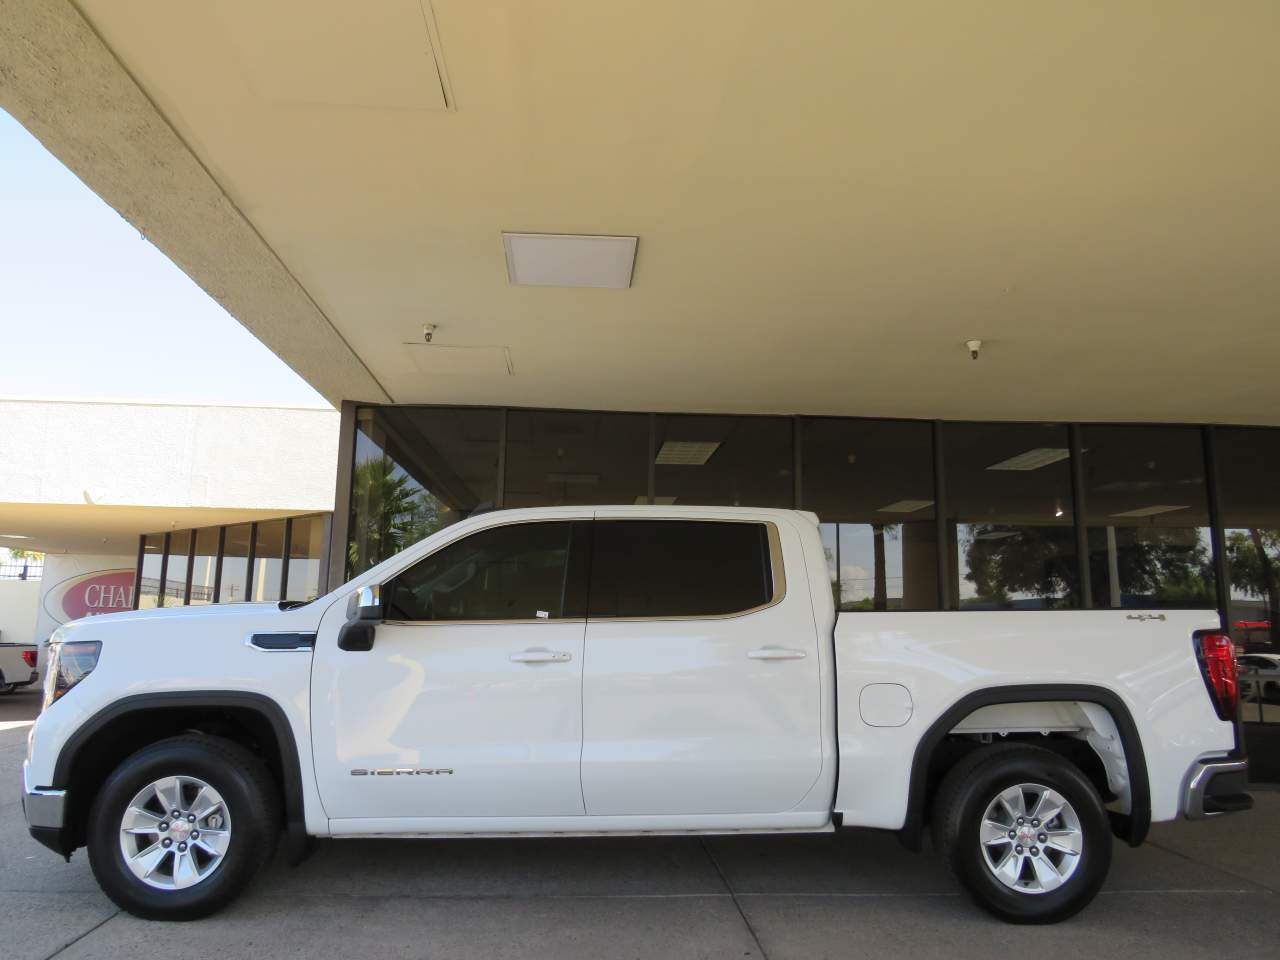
(68, 664)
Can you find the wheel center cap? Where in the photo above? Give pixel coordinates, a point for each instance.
(180, 830)
(1026, 835)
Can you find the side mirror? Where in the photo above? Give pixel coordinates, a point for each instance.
(357, 633)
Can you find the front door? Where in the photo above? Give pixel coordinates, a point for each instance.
(469, 704)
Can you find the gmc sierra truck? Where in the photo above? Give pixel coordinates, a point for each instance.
(625, 670)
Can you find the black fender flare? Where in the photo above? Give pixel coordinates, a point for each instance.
(1131, 827)
(297, 842)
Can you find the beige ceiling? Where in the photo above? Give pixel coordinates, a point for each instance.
(98, 531)
(831, 197)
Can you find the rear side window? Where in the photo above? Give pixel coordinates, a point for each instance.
(521, 571)
(679, 568)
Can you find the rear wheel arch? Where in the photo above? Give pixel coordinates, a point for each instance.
(1131, 827)
(108, 737)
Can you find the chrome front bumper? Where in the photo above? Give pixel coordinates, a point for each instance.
(1215, 787)
(43, 808)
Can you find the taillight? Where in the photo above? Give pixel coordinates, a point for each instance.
(1216, 654)
(29, 658)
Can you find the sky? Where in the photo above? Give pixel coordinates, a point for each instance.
(89, 309)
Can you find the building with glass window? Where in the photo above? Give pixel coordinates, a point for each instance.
(160, 505)
(994, 298)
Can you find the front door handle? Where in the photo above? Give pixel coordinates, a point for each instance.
(776, 653)
(540, 656)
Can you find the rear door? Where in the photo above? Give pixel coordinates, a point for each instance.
(701, 686)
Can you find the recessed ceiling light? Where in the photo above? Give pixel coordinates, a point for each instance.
(686, 453)
(1150, 511)
(905, 506)
(569, 260)
(1033, 459)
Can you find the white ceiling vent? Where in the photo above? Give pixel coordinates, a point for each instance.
(435, 360)
(569, 260)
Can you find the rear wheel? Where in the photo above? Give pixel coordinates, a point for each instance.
(1025, 833)
(181, 827)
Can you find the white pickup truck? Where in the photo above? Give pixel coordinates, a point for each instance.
(625, 670)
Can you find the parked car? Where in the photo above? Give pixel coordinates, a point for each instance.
(17, 666)
(1260, 675)
(624, 670)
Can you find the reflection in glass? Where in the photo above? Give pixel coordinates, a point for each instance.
(724, 461)
(1010, 516)
(175, 576)
(875, 477)
(204, 569)
(1148, 517)
(1249, 475)
(267, 567)
(417, 470)
(559, 458)
(306, 542)
(149, 585)
(235, 565)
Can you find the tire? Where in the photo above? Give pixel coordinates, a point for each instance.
(1001, 874)
(212, 777)
(6, 687)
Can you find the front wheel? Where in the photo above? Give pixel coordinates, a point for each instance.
(181, 827)
(1025, 833)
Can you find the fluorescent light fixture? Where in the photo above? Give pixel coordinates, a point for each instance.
(996, 535)
(657, 501)
(569, 260)
(14, 536)
(905, 506)
(686, 453)
(1150, 511)
(1033, 459)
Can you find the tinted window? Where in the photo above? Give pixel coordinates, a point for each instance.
(678, 568)
(871, 482)
(416, 471)
(515, 572)
(1010, 525)
(566, 458)
(1148, 517)
(1249, 470)
(724, 461)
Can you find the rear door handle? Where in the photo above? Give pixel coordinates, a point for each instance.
(540, 656)
(776, 653)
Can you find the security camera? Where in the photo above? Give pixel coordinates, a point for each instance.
(974, 346)
(428, 331)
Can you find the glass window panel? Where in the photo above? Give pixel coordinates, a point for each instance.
(725, 461)
(1010, 522)
(175, 575)
(1148, 517)
(1249, 477)
(306, 543)
(152, 555)
(556, 458)
(235, 559)
(513, 572)
(267, 554)
(678, 568)
(875, 477)
(205, 566)
(417, 470)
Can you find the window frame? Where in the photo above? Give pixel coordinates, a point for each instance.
(777, 571)
(584, 572)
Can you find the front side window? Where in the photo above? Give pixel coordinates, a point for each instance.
(521, 571)
(679, 568)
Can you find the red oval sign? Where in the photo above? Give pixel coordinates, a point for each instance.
(108, 592)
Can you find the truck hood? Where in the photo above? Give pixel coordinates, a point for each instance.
(254, 616)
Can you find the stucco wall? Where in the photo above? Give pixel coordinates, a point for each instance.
(126, 454)
(19, 604)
